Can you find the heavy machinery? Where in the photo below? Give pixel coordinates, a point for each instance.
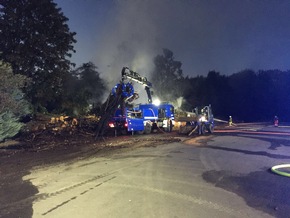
(118, 114)
(159, 116)
(197, 121)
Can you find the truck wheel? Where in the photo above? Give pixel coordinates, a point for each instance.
(147, 128)
(202, 129)
(124, 132)
(169, 127)
(154, 127)
(210, 128)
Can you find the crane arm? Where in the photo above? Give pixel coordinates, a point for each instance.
(129, 74)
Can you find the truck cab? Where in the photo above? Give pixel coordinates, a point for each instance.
(158, 116)
(127, 121)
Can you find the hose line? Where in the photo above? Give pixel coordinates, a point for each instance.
(276, 169)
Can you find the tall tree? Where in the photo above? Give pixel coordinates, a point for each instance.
(244, 92)
(83, 87)
(91, 82)
(167, 76)
(217, 93)
(36, 41)
(194, 92)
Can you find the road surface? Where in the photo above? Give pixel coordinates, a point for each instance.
(223, 175)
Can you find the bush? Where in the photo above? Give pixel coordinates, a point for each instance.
(9, 125)
(12, 103)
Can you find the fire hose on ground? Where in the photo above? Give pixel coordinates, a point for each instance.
(223, 121)
(276, 169)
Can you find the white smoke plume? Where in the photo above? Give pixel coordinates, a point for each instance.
(129, 39)
(135, 33)
(225, 36)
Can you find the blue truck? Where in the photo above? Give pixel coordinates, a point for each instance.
(122, 116)
(125, 121)
(158, 116)
(143, 118)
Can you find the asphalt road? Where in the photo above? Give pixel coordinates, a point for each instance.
(223, 175)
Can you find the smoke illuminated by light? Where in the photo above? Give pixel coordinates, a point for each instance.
(156, 102)
(225, 36)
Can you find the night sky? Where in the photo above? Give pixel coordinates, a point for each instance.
(222, 35)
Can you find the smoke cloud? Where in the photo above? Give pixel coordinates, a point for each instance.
(225, 36)
(130, 38)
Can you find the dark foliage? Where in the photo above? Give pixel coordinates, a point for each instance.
(167, 76)
(36, 41)
(83, 87)
(247, 96)
(259, 96)
(12, 104)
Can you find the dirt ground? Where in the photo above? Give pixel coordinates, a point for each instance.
(23, 153)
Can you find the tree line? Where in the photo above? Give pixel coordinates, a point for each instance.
(37, 75)
(247, 95)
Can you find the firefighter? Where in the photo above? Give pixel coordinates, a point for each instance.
(230, 121)
(276, 121)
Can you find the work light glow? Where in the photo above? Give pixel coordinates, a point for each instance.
(156, 102)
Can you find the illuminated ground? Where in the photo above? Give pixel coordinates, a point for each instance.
(223, 175)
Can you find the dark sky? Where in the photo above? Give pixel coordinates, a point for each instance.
(223, 35)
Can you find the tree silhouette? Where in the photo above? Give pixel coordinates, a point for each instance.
(90, 81)
(82, 88)
(247, 95)
(167, 76)
(36, 41)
